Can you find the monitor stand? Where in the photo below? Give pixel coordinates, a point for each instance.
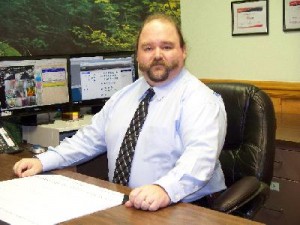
(96, 109)
(38, 119)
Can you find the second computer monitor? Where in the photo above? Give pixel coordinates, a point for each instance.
(95, 78)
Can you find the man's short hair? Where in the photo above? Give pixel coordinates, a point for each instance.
(166, 18)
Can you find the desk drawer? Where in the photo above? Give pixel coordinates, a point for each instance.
(287, 164)
(271, 217)
(284, 203)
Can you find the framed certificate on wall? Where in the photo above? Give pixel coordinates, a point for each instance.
(291, 15)
(249, 17)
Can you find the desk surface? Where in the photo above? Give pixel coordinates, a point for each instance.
(182, 213)
(69, 125)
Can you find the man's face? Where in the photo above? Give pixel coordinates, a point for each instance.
(159, 54)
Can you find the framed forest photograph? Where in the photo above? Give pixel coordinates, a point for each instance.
(35, 28)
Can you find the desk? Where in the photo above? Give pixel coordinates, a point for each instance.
(182, 213)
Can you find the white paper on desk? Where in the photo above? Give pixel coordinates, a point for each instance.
(51, 199)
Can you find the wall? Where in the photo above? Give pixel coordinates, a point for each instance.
(214, 54)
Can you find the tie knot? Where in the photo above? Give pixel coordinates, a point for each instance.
(149, 94)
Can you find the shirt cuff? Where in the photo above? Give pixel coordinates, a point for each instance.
(177, 190)
(50, 160)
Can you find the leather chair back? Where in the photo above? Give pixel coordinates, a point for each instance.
(250, 141)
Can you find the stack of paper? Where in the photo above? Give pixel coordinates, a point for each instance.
(51, 199)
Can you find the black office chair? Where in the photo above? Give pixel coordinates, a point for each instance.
(248, 153)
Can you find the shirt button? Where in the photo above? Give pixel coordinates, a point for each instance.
(177, 197)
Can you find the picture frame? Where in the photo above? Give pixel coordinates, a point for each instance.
(250, 17)
(291, 15)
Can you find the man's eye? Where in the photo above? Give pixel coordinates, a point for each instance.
(147, 49)
(167, 47)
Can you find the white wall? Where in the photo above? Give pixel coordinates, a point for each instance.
(214, 53)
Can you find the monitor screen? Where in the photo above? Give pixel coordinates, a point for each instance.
(30, 86)
(96, 78)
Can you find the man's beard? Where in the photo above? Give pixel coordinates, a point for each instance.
(161, 75)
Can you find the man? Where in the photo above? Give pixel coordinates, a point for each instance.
(176, 155)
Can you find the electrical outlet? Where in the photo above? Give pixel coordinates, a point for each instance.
(274, 186)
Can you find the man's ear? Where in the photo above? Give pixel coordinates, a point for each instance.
(184, 52)
(137, 56)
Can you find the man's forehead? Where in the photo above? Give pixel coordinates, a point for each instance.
(162, 42)
(158, 23)
(159, 27)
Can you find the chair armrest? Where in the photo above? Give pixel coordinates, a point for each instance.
(238, 194)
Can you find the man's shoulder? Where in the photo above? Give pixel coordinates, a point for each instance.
(193, 84)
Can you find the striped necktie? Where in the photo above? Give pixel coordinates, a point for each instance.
(123, 162)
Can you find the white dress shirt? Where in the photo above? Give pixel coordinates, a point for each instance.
(178, 147)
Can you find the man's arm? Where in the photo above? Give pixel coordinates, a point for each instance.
(202, 129)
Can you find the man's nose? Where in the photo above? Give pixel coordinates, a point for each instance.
(158, 53)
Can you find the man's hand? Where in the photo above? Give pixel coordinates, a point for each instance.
(148, 197)
(28, 167)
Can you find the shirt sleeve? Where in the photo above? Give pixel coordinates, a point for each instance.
(202, 130)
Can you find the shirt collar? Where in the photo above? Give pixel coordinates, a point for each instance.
(163, 90)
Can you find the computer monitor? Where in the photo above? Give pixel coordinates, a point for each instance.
(29, 86)
(95, 78)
